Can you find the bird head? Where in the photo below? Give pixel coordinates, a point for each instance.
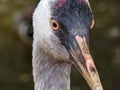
(61, 28)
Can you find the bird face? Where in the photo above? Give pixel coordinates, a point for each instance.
(62, 28)
(71, 21)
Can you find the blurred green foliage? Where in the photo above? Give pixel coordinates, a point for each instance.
(15, 55)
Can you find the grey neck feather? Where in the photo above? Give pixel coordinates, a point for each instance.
(48, 74)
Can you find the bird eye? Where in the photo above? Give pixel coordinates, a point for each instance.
(92, 24)
(54, 24)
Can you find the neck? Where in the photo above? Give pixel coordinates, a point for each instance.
(48, 74)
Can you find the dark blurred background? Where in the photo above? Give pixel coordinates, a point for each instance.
(16, 45)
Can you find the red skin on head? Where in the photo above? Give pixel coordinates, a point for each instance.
(60, 3)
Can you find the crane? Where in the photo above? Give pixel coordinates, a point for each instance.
(61, 39)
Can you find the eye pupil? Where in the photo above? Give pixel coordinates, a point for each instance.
(54, 24)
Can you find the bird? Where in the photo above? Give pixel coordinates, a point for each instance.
(61, 39)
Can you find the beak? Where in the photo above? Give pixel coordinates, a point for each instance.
(85, 63)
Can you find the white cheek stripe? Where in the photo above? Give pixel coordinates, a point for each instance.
(41, 19)
(87, 1)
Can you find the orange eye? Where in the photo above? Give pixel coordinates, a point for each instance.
(92, 24)
(54, 24)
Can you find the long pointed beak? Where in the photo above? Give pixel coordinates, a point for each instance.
(86, 67)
